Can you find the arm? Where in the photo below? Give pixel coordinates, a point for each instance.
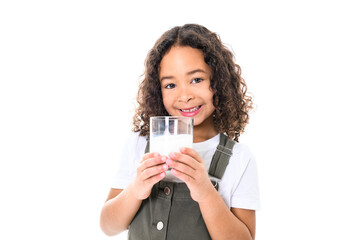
(118, 211)
(235, 223)
(122, 205)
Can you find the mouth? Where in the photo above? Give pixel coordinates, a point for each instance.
(190, 112)
(187, 110)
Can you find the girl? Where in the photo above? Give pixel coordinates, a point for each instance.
(188, 73)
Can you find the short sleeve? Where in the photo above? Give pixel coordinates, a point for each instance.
(246, 193)
(130, 156)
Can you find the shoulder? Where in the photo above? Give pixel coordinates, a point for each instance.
(239, 185)
(135, 138)
(242, 161)
(134, 142)
(243, 152)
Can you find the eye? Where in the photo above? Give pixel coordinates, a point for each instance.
(170, 86)
(197, 80)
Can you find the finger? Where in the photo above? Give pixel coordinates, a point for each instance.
(182, 176)
(153, 171)
(149, 155)
(180, 166)
(149, 162)
(185, 159)
(155, 179)
(192, 153)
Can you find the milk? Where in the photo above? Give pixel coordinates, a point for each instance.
(168, 134)
(164, 144)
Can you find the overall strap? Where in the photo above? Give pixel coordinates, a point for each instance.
(221, 157)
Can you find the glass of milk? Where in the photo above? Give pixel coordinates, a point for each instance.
(169, 134)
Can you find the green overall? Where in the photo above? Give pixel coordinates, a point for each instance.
(170, 212)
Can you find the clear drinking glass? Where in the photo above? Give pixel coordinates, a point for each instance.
(169, 134)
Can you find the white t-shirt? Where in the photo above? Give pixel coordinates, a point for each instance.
(238, 187)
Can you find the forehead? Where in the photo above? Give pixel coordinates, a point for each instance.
(182, 59)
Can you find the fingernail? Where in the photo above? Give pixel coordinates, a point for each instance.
(172, 155)
(163, 158)
(156, 154)
(182, 149)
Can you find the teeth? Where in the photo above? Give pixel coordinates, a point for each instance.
(190, 110)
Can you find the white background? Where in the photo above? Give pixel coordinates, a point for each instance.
(69, 72)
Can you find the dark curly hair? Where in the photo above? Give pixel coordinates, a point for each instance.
(232, 104)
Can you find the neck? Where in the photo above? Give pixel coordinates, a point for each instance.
(204, 131)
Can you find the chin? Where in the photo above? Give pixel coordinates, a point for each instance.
(198, 122)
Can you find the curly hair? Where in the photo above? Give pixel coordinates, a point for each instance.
(232, 104)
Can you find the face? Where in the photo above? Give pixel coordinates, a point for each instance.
(185, 85)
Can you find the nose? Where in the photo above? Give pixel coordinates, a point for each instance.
(185, 94)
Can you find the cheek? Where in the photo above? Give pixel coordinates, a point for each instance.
(166, 100)
(210, 98)
(211, 108)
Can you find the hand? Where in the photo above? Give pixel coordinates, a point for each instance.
(189, 167)
(151, 170)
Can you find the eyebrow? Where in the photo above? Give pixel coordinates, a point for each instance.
(188, 73)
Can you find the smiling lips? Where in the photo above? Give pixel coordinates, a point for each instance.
(190, 112)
